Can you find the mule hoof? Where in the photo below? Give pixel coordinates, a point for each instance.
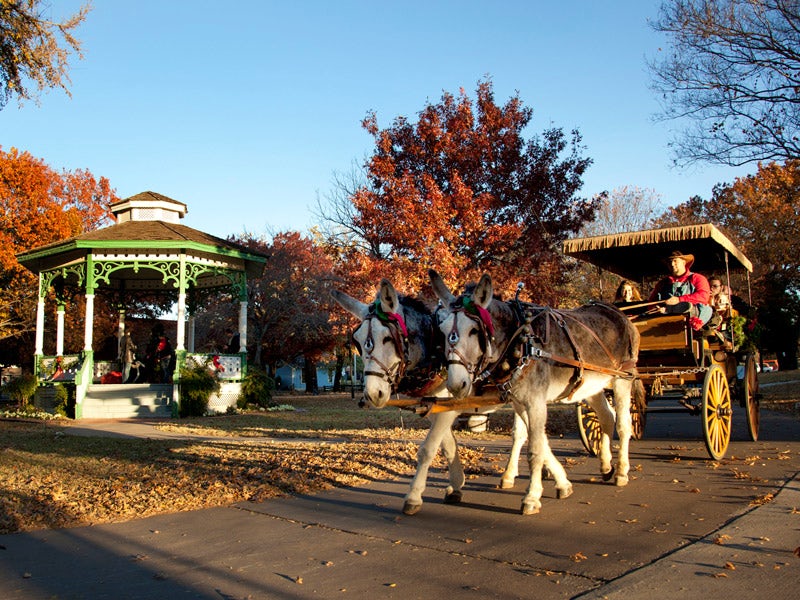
(506, 484)
(562, 493)
(453, 497)
(621, 480)
(530, 509)
(411, 509)
(609, 475)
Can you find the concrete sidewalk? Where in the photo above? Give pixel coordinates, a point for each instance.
(645, 541)
(750, 557)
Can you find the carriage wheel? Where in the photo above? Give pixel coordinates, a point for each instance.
(589, 428)
(750, 392)
(638, 410)
(716, 412)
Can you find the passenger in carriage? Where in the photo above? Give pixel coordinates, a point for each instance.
(627, 293)
(727, 305)
(720, 299)
(684, 291)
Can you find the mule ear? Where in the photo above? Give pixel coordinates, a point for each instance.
(390, 303)
(484, 291)
(440, 288)
(350, 304)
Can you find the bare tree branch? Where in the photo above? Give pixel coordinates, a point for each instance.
(733, 74)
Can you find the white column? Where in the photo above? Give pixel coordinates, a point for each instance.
(181, 334)
(190, 343)
(89, 322)
(60, 330)
(243, 326)
(39, 327)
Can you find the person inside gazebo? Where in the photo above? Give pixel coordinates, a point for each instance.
(165, 360)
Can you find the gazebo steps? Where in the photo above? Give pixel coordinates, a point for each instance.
(127, 400)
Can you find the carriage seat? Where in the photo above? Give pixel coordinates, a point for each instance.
(664, 332)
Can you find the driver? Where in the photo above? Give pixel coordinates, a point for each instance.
(684, 291)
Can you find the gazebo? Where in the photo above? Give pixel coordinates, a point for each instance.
(147, 250)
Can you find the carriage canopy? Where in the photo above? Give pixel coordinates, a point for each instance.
(639, 254)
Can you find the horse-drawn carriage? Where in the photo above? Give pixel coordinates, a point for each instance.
(476, 351)
(679, 368)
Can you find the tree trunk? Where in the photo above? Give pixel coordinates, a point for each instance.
(337, 375)
(310, 371)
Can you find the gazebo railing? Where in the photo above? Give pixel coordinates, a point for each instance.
(59, 368)
(228, 367)
(229, 370)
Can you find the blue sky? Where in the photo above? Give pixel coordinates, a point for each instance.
(244, 111)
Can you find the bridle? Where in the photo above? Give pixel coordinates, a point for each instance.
(464, 305)
(394, 322)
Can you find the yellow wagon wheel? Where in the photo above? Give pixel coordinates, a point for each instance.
(589, 428)
(716, 412)
(751, 398)
(589, 424)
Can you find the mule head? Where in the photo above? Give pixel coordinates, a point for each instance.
(380, 339)
(468, 330)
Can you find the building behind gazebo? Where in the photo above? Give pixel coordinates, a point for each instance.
(147, 251)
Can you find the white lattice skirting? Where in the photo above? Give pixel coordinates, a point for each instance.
(228, 395)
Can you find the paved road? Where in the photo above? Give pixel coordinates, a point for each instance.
(684, 524)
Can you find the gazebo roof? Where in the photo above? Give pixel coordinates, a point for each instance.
(147, 238)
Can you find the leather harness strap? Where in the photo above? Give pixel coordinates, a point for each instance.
(625, 369)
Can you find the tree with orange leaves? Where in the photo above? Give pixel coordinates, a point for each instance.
(38, 206)
(462, 191)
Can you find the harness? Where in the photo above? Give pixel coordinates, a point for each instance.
(524, 346)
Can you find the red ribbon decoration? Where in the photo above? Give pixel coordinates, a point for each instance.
(391, 317)
(400, 322)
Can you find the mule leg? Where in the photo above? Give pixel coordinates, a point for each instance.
(441, 427)
(537, 444)
(519, 435)
(454, 467)
(563, 484)
(605, 417)
(622, 401)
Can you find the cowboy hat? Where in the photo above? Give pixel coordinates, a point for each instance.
(689, 258)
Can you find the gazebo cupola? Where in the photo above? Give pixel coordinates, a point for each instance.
(148, 206)
(148, 250)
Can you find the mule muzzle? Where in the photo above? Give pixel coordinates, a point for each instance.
(378, 386)
(459, 379)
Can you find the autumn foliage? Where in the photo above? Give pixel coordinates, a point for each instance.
(289, 303)
(35, 49)
(39, 206)
(461, 190)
